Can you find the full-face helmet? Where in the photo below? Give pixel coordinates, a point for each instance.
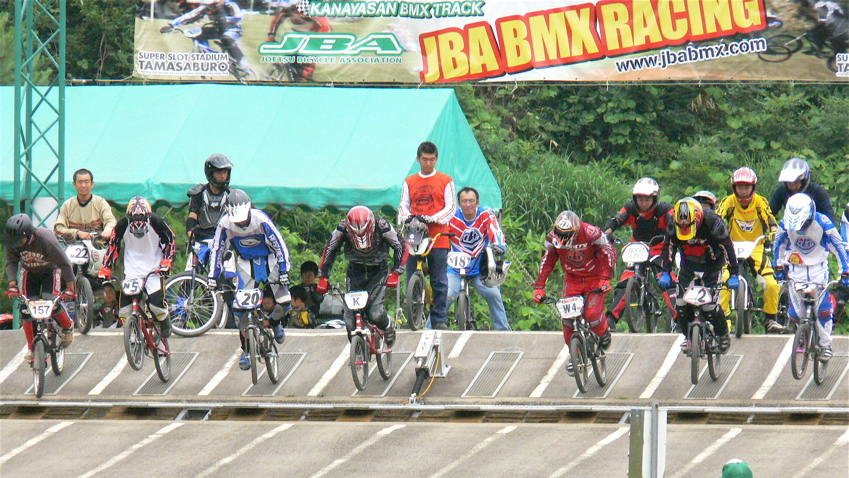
(214, 163)
(795, 169)
(799, 212)
(565, 227)
(239, 207)
(688, 216)
(744, 176)
(138, 212)
(361, 227)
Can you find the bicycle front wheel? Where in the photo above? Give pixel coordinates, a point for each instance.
(599, 366)
(84, 304)
(461, 311)
(57, 360)
(272, 365)
(134, 342)
(193, 306)
(799, 357)
(695, 352)
(39, 365)
(383, 358)
(819, 369)
(252, 346)
(713, 360)
(414, 302)
(741, 303)
(359, 361)
(579, 361)
(162, 358)
(634, 312)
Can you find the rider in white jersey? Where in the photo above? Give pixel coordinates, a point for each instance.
(261, 256)
(802, 245)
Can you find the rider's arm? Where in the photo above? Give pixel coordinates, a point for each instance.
(549, 260)
(63, 225)
(13, 257)
(55, 254)
(835, 244)
(166, 237)
(496, 235)
(669, 247)
(447, 212)
(113, 247)
(616, 221)
(275, 240)
(195, 205)
(190, 16)
(779, 197)
(331, 250)
(721, 236)
(822, 201)
(104, 212)
(395, 242)
(604, 251)
(219, 245)
(780, 246)
(845, 226)
(404, 206)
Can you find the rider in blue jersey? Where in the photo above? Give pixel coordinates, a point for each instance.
(261, 256)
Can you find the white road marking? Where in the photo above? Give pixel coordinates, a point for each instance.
(707, 452)
(461, 342)
(331, 372)
(219, 376)
(112, 375)
(476, 449)
(357, 450)
(33, 441)
(561, 359)
(842, 441)
(777, 368)
(664, 369)
(590, 452)
(129, 451)
(241, 451)
(13, 364)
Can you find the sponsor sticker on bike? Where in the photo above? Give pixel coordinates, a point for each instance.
(570, 307)
(698, 295)
(40, 309)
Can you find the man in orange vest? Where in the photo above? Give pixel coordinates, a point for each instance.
(429, 195)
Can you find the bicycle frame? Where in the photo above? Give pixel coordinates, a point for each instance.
(637, 257)
(742, 298)
(260, 338)
(45, 339)
(419, 292)
(806, 344)
(367, 340)
(463, 308)
(703, 342)
(584, 348)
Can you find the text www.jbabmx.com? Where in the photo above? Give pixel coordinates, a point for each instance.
(692, 54)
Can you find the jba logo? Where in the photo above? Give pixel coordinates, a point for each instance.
(332, 44)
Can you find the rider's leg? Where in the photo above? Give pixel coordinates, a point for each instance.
(437, 261)
(492, 296)
(714, 312)
(725, 294)
(684, 313)
(156, 302)
(230, 42)
(594, 314)
(825, 323)
(669, 295)
(618, 303)
(766, 277)
(454, 281)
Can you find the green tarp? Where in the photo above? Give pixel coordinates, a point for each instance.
(292, 146)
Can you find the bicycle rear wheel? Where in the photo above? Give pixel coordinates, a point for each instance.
(359, 361)
(194, 307)
(134, 342)
(579, 361)
(695, 353)
(161, 357)
(799, 357)
(83, 304)
(634, 312)
(461, 311)
(414, 302)
(252, 346)
(383, 359)
(39, 364)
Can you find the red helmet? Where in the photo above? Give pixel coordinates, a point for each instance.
(746, 176)
(361, 227)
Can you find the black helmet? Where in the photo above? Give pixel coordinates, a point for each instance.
(18, 228)
(214, 163)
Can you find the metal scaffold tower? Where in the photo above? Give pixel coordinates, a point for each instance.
(39, 107)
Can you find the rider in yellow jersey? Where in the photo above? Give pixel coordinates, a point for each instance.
(748, 217)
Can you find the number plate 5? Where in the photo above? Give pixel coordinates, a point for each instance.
(698, 295)
(570, 307)
(131, 286)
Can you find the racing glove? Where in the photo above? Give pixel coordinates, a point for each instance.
(428, 219)
(12, 292)
(165, 265)
(392, 280)
(284, 279)
(665, 280)
(733, 282)
(498, 250)
(211, 283)
(844, 279)
(105, 273)
(323, 285)
(166, 29)
(539, 296)
(780, 273)
(68, 295)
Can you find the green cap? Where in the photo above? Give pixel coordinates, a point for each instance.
(736, 469)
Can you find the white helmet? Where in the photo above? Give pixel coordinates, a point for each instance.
(795, 169)
(238, 206)
(646, 187)
(800, 212)
(493, 272)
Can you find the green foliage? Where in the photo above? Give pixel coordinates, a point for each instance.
(7, 54)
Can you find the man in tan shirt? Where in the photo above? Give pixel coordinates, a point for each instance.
(85, 215)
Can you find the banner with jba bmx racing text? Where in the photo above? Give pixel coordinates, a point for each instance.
(476, 40)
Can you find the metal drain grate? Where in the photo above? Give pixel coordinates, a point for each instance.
(493, 374)
(709, 389)
(375, 385)
(180, 362)
(287, 362)
(837, 368)
(616, 364)
(53, 383)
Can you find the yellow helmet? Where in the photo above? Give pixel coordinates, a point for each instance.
(688, 216)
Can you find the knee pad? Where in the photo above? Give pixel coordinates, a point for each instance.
(158, 312)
